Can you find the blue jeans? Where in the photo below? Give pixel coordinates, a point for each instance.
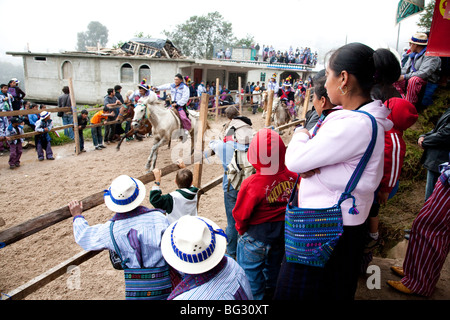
(261, 263)
(230, 198)
(432, 178)
(68, 119)
(97, 137)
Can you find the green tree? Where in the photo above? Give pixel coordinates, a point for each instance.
(96, 33)
(244, 42)
(426, 17)
(198, 36)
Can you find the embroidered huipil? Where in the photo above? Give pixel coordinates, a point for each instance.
(225, 282)
(138, 237)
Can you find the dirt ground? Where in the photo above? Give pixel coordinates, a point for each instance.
(37, 188)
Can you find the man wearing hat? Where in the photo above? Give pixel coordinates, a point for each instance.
(44, 125)
(180, 93)
(196, 246)
(133, 234)
(418, 70)
(142, 91)
(273, 85)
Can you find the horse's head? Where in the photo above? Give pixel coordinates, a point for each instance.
(141, 107)
(139, 113)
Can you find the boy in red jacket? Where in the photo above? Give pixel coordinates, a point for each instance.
(260, 210)
(403, 115)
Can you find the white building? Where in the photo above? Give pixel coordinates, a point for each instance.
(47, 73)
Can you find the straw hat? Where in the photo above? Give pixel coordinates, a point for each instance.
(419, 38)
(44, 114)
(124, 194)
(193, 244)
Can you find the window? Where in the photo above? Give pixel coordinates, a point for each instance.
(40, 59)
(144, 73)
(67, 70)
(262, 77)
(126, 73)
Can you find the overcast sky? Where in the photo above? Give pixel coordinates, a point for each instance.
(52, 26)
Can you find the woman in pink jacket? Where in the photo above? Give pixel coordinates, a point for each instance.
(327, 161)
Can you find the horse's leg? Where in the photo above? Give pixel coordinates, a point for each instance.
(151, 161)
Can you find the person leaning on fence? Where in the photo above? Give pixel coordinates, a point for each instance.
(134, 233)
(195, 246)
(327, 162)
(67, 117)
(15, 145)
(43, 140)
(111, 101)
(83, 119)
(180, 202)
(97, 136)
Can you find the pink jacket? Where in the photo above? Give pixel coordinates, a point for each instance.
(336, 150)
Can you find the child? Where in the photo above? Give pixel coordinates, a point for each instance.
(15, 145)
(44, 125)
(260, 212)
(180, 202)
(82, 123)
(97, 137)
(33, 118)
(403, 115)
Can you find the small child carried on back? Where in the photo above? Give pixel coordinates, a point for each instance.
(180, 202)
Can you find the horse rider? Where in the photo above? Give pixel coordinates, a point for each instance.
(273, 85)
(142, 91)
(180, 96)
(286, 94)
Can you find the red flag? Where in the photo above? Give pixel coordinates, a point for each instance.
(439, 41)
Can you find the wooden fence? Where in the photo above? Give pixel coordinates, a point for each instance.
(28, 228)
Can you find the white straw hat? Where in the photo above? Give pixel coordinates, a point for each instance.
(124, 194)
(44, 114)
(419, 38)
(193, 244)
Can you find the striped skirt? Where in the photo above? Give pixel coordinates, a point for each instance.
(148, 284)
(336, 281)
(429, 243)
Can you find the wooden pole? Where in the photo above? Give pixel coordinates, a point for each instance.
(32, 226)
(217, 99)
(75, 117)
(239, 95)
(199, 145)
(269, 108)
(50, 275)
(306, 103)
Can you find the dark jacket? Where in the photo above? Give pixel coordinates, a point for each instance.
(437, 144)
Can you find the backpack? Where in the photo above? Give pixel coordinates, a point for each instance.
(239, 169)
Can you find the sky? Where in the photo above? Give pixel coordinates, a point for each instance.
(46, 26)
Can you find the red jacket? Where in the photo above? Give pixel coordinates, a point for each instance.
(264, 195)
(403, 115)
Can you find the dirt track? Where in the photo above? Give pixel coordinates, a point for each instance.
(40, 187)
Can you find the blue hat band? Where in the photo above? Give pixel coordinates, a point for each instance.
(205, 254)
(419, 40)
(123, 202)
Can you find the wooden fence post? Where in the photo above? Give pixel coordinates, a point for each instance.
(75, 117)
(239, 95)
(199, 144)
(306, 103)
(269, 108)
(217, 99)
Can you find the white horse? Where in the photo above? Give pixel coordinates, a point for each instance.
(281, 114)
(166, 124)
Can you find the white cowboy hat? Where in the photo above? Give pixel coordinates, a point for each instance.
(15, 80)
(124, 194)
(419, 38)
(193, 244)
(44, 114)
